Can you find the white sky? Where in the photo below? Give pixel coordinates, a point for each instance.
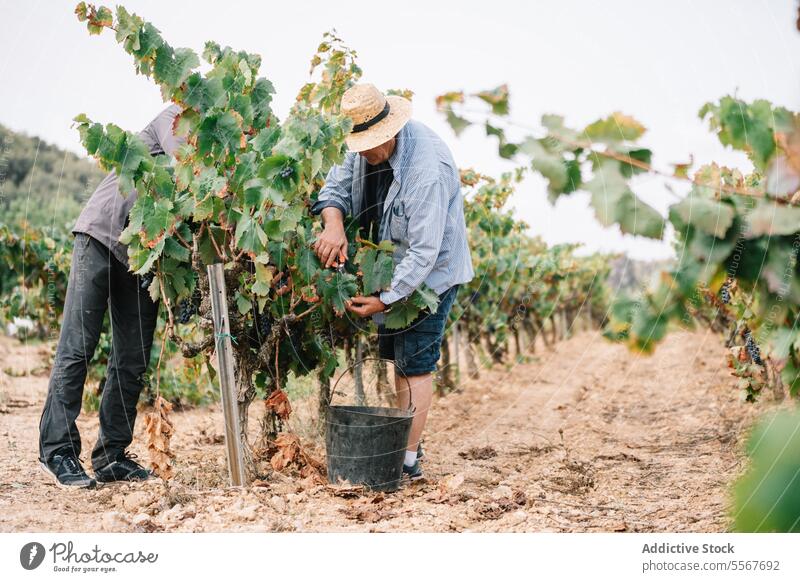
(657, 61)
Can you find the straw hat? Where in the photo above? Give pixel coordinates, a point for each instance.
(376, 118)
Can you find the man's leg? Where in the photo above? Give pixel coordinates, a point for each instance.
(416, 353)
(84, 309)
(420, 388)
(133, 321)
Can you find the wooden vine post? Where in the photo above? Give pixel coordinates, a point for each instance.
(457, 353)
(227, 381)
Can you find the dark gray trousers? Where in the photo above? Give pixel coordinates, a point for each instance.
(97, 281)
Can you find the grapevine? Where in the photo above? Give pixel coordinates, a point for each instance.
(239, 192)
(737, 235)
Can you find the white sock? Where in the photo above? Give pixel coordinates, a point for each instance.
(411, 458)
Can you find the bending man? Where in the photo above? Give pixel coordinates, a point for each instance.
(399, 179)
(99, 279)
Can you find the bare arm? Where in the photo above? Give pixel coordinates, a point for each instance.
(331, 245)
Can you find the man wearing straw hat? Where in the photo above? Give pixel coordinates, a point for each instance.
(400, 182)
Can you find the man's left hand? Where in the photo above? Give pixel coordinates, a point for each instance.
(365, 306)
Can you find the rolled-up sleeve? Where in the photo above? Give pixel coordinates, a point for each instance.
(338, 188)
(426, 210)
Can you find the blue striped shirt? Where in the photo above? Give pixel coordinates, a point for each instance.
(423, 214)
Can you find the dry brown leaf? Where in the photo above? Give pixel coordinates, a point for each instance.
(288, 446)
(278, 402)
(288, 451)
(367, 509)
(159, 431)
(346, 490)
(452, 482)
(311, 475)
(519, 498)
(478, 453)
(313, 483)
(363, 515)
(494, 509)
(444, 493)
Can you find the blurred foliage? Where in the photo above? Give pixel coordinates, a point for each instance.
(767, 496)
(736, 236)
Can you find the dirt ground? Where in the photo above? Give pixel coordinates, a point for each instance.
(584, 437)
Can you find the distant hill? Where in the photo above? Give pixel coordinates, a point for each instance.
(41, 183)
(631, 275)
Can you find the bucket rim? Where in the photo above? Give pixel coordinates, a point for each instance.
(400, 413)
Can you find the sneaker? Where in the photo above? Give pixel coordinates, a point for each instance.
(67, 472)
(414, 472)
(420, 452)
(123, 469)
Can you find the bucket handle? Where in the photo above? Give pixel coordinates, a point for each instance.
(411, 406)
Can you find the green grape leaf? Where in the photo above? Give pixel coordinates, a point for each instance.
(308, 264)
(243, 304)
(497, 98)
(614, 203)
(218, 133)
(336, 288)
(173, 66)
(643, 155)
(174, 249)
(142, 259)
(128, 27)
(400, 314)
(249, 235)
(376, 268)
(791, 377)
(615, 128)
(425, 298)
(263, 281)
(202, 94)
(550, 165)
(458, 123)
(743, 126)
(770, 219)
(710, 216)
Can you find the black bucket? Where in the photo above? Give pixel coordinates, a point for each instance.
(366, 445)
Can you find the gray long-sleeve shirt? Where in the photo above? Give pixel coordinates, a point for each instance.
(106, 213)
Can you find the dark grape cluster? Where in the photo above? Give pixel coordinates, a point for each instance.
(197, 297)
(264, 327)
(752, 348)
(286, 172)
(725, 292)
(145, 281)
(186, 309)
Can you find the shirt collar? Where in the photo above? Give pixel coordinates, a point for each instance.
(399, 153)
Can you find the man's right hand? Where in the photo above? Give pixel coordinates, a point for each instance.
(331, 245)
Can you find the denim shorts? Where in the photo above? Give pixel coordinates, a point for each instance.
(415, 349)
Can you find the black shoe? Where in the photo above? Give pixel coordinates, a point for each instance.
(65, 468)
(414, 472)
(420, 452)
(123, 469)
